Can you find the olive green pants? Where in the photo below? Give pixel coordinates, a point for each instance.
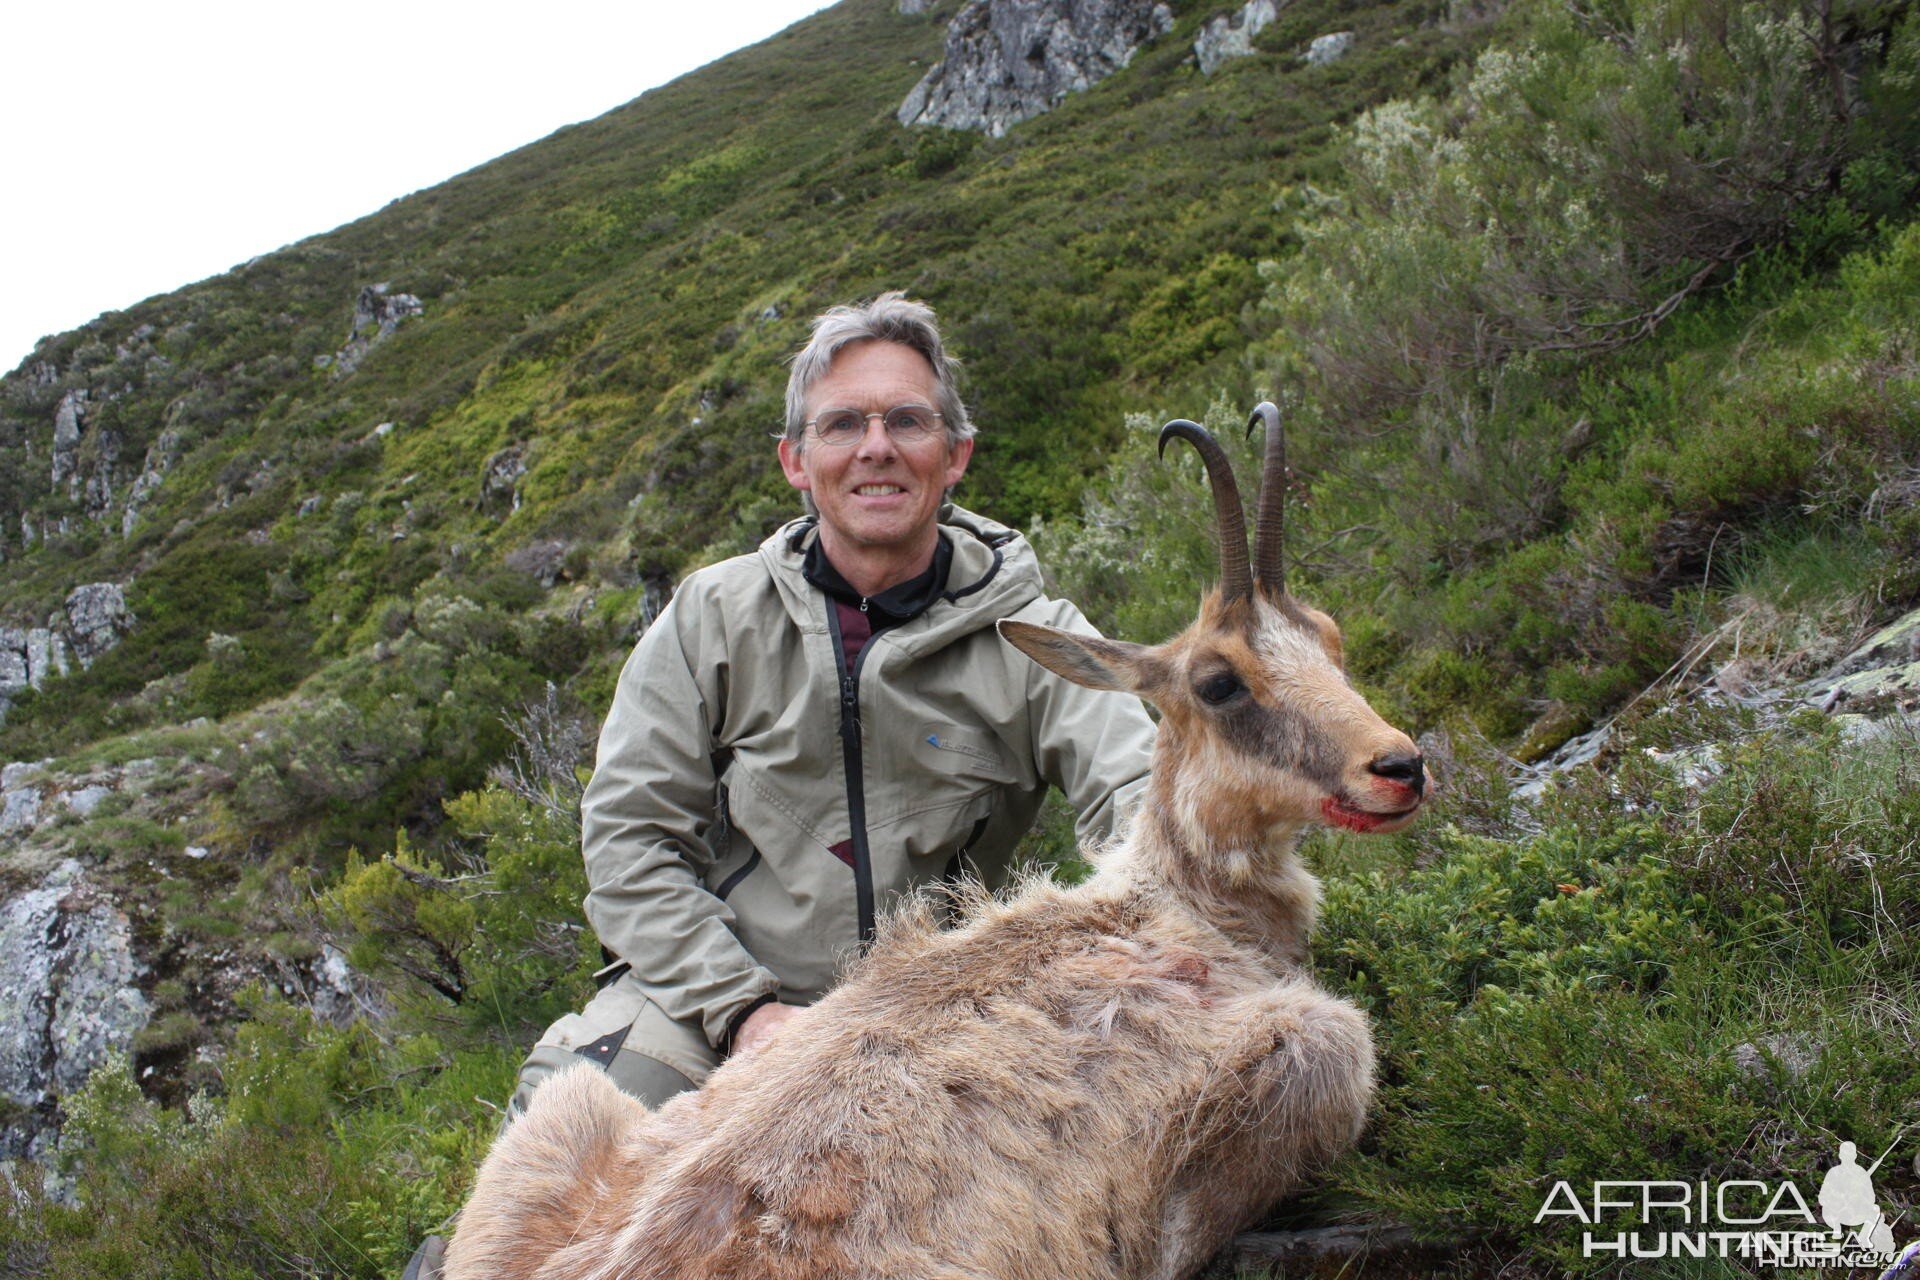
(643, 1051)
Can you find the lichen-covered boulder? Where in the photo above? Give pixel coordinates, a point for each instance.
(68, 999)
(1009, 60)
(1231, 34)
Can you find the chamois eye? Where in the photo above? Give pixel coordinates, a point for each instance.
(1217, 689)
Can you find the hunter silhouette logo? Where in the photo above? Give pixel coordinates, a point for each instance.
(1846, 1200)
(1766, 1222)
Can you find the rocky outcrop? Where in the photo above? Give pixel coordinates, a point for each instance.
(1009, 60)
(1231, 34)
(545, 560)
(1886, 669)
(93, 620)
(500, 481)
(97, 616)
(69, 423)
(21, 797)
(97, 491)
(376, 314)
(161, 455)
(1328, 48)
(1872, 693)
(68, 999)
(914, 6)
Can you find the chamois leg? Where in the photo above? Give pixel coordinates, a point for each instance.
(1287, 1095)
(542, 1175)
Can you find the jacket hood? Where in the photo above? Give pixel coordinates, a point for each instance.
(994, 574)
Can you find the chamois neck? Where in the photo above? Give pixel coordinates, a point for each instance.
(1251, 886)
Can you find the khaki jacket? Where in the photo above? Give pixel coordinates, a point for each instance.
(753, 807)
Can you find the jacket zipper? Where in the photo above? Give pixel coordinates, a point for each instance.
(856, 778)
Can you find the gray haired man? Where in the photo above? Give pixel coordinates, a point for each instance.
(808, 731)
(811, 730)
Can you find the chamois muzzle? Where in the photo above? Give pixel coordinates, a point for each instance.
(1409, 771)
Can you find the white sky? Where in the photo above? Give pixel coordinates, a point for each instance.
(153, 143)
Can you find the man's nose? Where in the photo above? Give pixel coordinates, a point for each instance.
(877, 441)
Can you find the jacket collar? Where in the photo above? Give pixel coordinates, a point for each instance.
(897, 603)
(992, 574)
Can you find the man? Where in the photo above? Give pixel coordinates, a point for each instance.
(808, 731)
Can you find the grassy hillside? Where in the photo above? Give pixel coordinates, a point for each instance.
(616, 300)
(1594, 326)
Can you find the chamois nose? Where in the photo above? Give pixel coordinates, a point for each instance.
(1402, 767)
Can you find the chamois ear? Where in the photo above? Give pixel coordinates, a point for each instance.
(1093, 661)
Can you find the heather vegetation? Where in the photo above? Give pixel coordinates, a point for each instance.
(1594, 327)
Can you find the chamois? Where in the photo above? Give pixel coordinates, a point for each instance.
(1103, 1080)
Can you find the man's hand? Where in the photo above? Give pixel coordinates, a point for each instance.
(761, 1026)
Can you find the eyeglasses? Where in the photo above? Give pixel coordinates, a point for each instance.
(905, 424)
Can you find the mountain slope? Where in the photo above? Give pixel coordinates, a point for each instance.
(1593, 327)
(612, 305)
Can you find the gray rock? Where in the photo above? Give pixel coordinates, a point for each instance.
(1329, 48)
(1231, 35)
(309, 506)
(500, 481)
(161, 456)
(20, 772)
(14, 676)
(46, 655)
(544, 560)
(915, 6)
(97, 616)
(1796, 1054)
(1865, 731)
(376, 314)
(19, 809)
(337, 992)
(1009, 60)
(67, 994)
(97, 492)
(84, 801)
(1887, 665)
(1533, 780)
(1694, 767)
(69, 420)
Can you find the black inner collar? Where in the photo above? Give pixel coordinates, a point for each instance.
(897, 603)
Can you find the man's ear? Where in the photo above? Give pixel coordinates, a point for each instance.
(1092, 661)
(791, 463)
(957, 458)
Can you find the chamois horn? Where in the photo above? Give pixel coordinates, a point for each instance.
(1270, 529)
(1235, 580)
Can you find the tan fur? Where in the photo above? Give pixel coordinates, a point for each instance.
(1099, 1081)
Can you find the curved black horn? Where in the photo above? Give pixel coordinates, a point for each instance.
(1235, 580)
(1270, 529)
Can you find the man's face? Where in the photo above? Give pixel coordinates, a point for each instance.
(876, 495)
